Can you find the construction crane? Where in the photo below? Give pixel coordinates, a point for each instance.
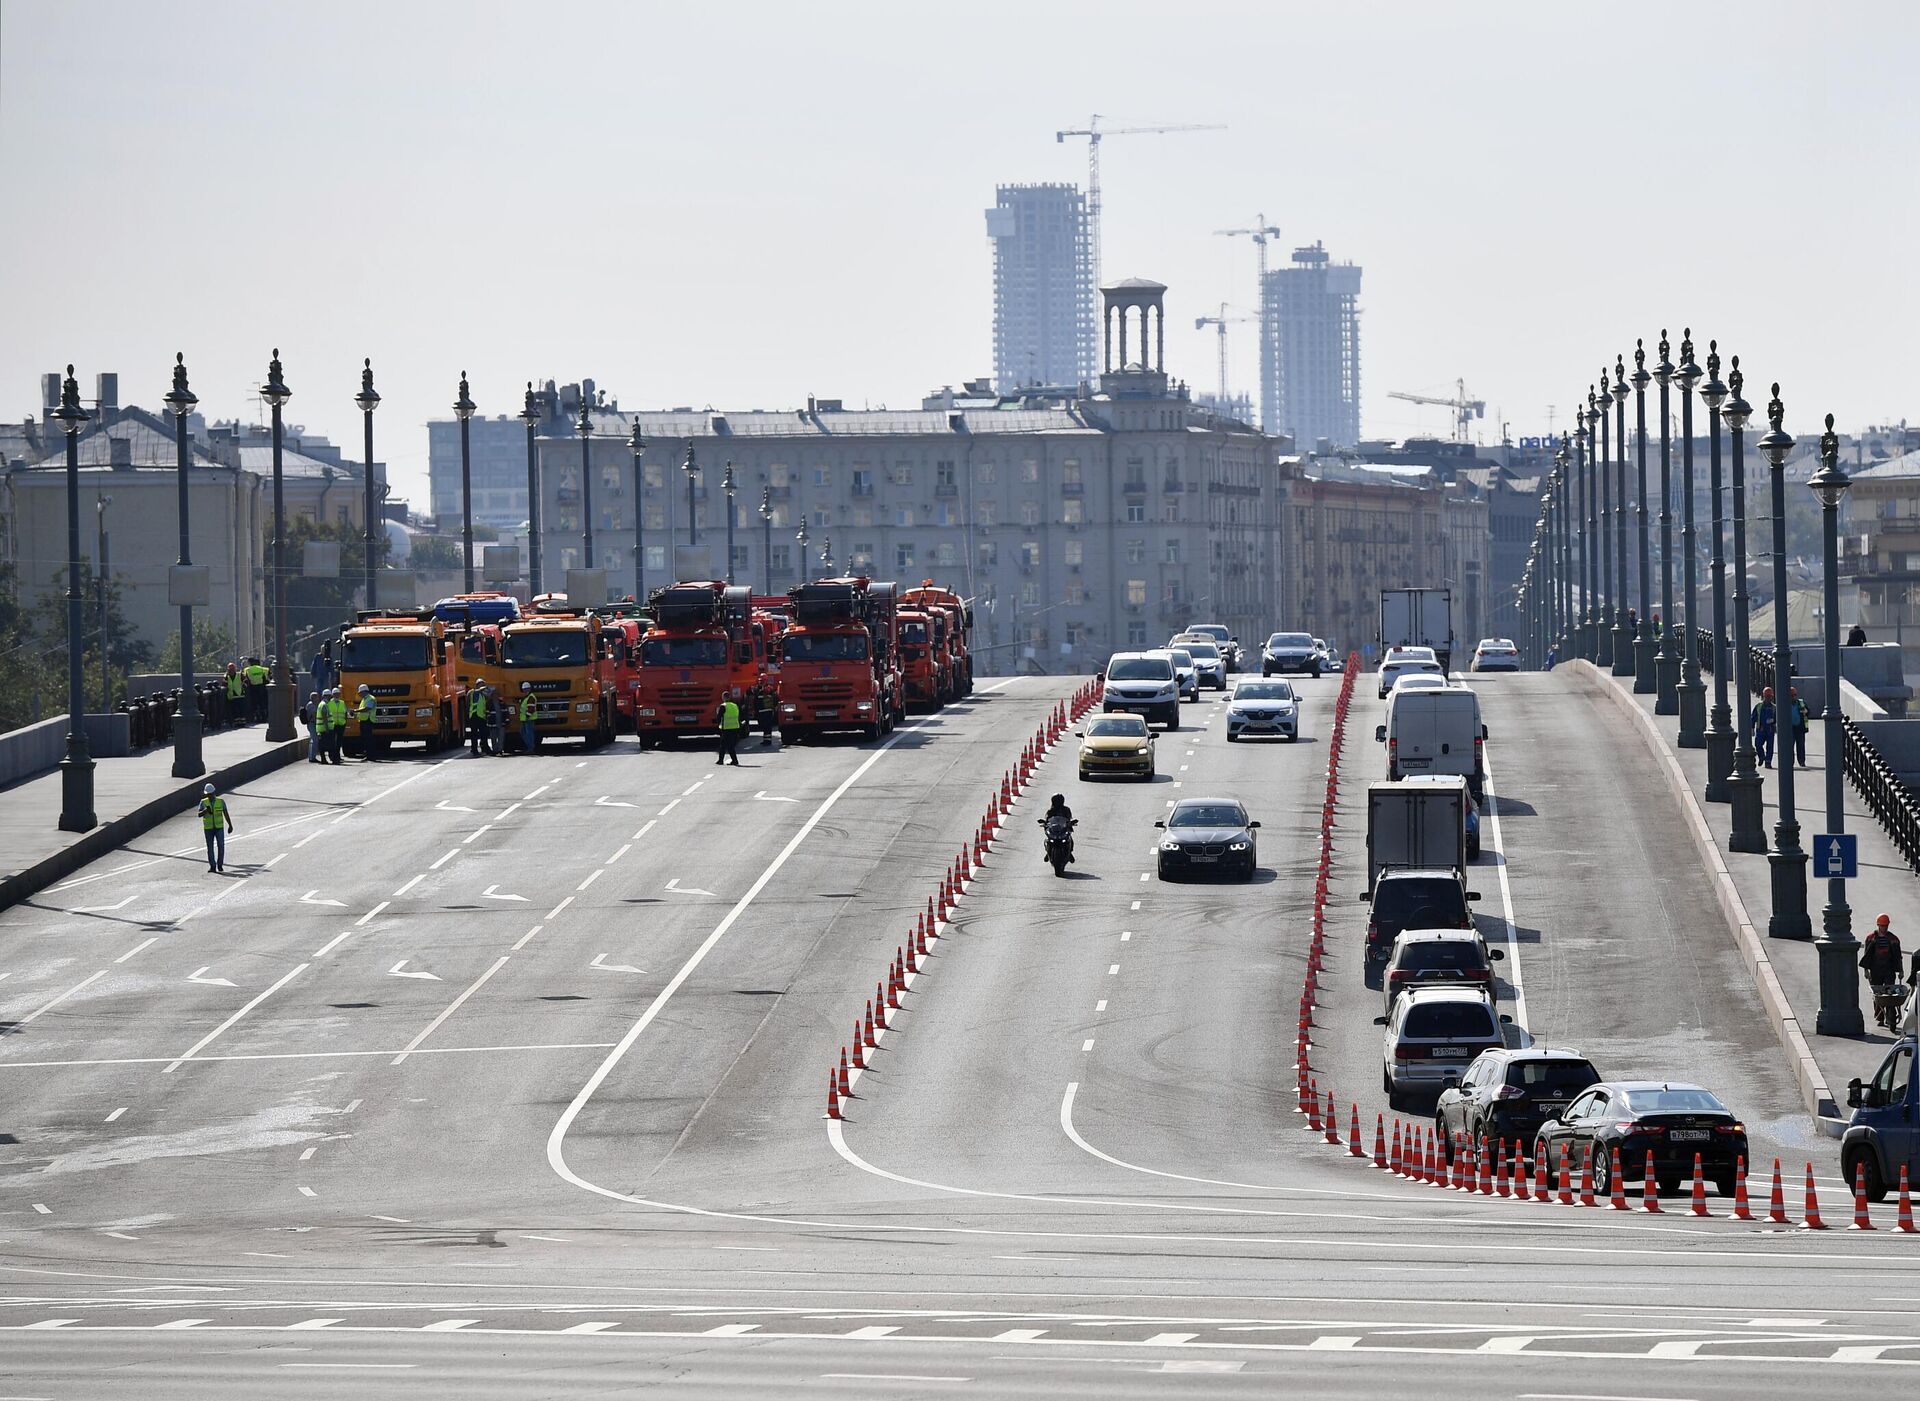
(1093, 131)
(1222, 321)
(1259, 233)
(1465, 409)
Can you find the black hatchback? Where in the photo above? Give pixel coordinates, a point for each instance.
(1509, 1093)
(1673, 1122)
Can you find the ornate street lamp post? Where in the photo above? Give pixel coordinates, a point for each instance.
(1691, 693)
(1587, 617)
(1597, 420)
(1562, 500)
(801, 536)
(1666, 664)
(280, 695)
(369, 400)
(585, 429)
(1743, 788)
(463, 408)
(187, 760)
(1719, 729)
(1789, 862)
(639, 449)
(766, 527)
(1622, 633)
(530, 415)
(1644, 679)
(76, 769)
(727, 486)
(1836, 947)
(690, 467)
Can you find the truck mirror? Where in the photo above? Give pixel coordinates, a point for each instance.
(1379, 1021)
(1379, 734)
(1252, 825)
(1364, 897)
(1473, 895)
(1505, 1020)
(1856, 1095)
(1160, 824)
(1483, 732)
(1496, 954)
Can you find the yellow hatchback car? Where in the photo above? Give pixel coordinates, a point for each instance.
(1116, 744)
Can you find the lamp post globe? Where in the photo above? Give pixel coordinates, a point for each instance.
(368, 400)
(1719, 735)
(1788, 860)
(76, 768)
(1835, 945)
(188, 761)
(463, 408)
(530, 415)
(1748, 831)
(280, 692)
(1691, 693)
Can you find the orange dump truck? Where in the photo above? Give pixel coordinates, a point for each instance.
(409, 665)
(563, 659)
(705, 642)
(840, 659)
(958, 613)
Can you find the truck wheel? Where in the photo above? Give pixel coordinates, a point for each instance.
(1864, 1157)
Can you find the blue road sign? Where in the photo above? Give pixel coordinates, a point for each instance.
(1836, 854)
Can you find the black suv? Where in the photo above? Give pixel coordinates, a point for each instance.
(1510, 1093)
(1412, 897)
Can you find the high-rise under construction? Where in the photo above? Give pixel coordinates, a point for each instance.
(1042, 287)
(1310, 350)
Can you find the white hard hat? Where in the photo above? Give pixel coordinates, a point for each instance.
(363, 686)
(208, 789)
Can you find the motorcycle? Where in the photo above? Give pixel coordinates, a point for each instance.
(1059, 842)
(1889, 1001)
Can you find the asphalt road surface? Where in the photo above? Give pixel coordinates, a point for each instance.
(504, 1078)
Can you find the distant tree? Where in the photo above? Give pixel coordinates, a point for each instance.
(213, 647)
(435, 552)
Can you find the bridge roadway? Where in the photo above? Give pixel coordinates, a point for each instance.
(502, 1078)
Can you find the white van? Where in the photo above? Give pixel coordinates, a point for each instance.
(1434, 731)
(1143, 683)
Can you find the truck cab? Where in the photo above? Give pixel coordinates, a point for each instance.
(1883, 1132)
(922, 658)
(564, 660)
(703, 645)
(956, 636)
(410, 667)
(839, 659)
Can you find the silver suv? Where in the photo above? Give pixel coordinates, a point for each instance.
(1143, 683)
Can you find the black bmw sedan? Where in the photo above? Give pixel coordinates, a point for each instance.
(1671, 1121)
(1204, 835)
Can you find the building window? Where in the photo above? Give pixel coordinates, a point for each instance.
(943, 478)
(822, 518)
(862, 482)
(1075, 553)
(903, 556)
(1073, 510)
(823, 476)
(1029, 554)
(1070, 474)
(782, 516)
(863, 515)
(903, 474)
(1136, 552)
(1076, 634)
(1170, 511)
(986, 473)
(944, 554)
(989, 554)
(1136, 634)
(740, 561)
(1136, 513)
(1030, 470)
(777, 475)
(1030, 595)
(782, 559)
(903, 516)
(1029, 513)
(653, 474)
(610, 478)
(1136, 593)
(862, 559)
(656, 558)
(983, 514)
(1172, 549)
(1076, 591)
(946, 513)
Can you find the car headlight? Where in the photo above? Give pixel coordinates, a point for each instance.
(1169, 845)
(648, 711)
(1143, 749)
(1239, 846)
(789, 708)
(584, 705)
(423, 712)
(863, 705)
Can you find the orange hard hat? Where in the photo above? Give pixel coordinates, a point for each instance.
(1882, 922)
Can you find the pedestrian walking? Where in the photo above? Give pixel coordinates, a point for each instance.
(1856, 636)
(496, 722)
(1762, 722)
(529, 736)
(477, 720)
(310, 717)
(1553, 656)
(255, 675)
(215, 821)
(729, 718)
(236, 696)
(1797, 718)
(336, 725)
(363, 711)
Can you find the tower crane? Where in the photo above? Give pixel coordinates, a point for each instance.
(1222, 321)
(1093, 131)
(1465, 409)
(1260, 233)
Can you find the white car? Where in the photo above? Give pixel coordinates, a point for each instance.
(1183, 668)
(1403, 663)
(1263, 708)
(1208, 665)
(1417, 681)
(1496, 654)
(1330, 660)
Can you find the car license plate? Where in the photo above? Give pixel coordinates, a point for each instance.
(1689, 1135)
(683, 719)
(1449, 1052)
(828, 714)
(1200, 858)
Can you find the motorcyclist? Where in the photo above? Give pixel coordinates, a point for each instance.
(1058, 809)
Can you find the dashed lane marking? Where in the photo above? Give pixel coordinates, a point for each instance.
(145, 943)
(527, 937)
(669, 807)
(44, 1008)
(409, 885)
(555, 911)
(504, 812)
(620, 853)
(308, 1192)
(452, 1007)
(1112, 968)
(592, 876)
(213, 1035)
(487, 827)
(1101, 1005)
(536, 793)
(1087, 1045)
(332, 943)
(443, 860)
(115, 1115)
(370, 914)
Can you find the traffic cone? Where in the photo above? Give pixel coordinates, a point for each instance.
(833, 1097)
(1330, 1117)
(1353, 1132)
(1426, 1155)
(1520, 1192)
(846, 1090)
(873, 1041)
(912, 964)
(946, 896)
(859, 1047)
(1563, 1193)
(1399, 1161)
(1699, 1206)
(1501, 1186)
(1380, 1141)
(1741, 1211)
(1861, 1220)
(1313, 1106)
(1486, 1168)
(1455, 1167)
(1650, 1189)
(1586, 1177)
(1618, 1199)
(884, 1001)
(1777, 1205)
(1905, 1221)
(933, 921)
(920, 936)
(1542, 1193)
(1812, 1221)
(1300, 1077)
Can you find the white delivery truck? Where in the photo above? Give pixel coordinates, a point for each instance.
(1418, 618)
(1416, 824)
(1434, 731)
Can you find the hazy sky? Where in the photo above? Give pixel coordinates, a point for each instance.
(742, 204)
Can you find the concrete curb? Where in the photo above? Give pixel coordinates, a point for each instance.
(1812, 1080)
(184, 796)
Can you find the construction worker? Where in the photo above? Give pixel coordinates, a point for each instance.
(256, 677)
(236, 696)
(215, 821)
(364, 711)
(730, 723)
(1797, 718)
(496, 722)
(310, 717)
(1762, 721)
(336, 725)
(529, 736)
(477, 720)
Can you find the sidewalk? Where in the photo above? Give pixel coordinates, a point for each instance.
(130, 796)
(1885, 884)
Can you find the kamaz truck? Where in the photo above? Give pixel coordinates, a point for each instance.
(959, 633)
(564, 659)
(410, 667)
(840, 659)
(704, 644)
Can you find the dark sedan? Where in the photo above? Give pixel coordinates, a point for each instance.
(1674, 1122)
(1205, 835)
(1506, 1095)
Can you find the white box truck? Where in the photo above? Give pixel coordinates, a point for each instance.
(1416, 824)
(1435, 730)
(1418, 618)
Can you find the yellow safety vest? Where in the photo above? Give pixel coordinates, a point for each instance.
(527, 709)
(236, 687)
(213, 814)
(729, 715)
(363, 712)
(336, 714)
(477, 705)
(257, 675)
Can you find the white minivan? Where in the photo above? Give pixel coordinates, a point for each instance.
(1434, 731)
(1143, 683)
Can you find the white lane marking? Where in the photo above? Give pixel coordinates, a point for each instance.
(1143, 875)
(1101, 1005)
(452, 1007)
(194, 977)
(308, 1192)
(605, 967)
(396, 1220)
(527, 937)
(449, 1325)
(484, 827)
(273, 861)
(347, 1366)
(555, 911)
(443, 860)
(1134, 906)
(136, 949)
(307, 1153)
(332, 943)
(557, 1139)
(1492, 816)
(308, 899)
(305, 1055)
(211, 1036)
(48, 1007)
(116, 1114)
(307, 1324)
(43, 1210)
(183, 1323)
(873, 1330)
(592, 876)
(1087, 1045)
(400, 970)
(536, 792)
(492, 892)
(996, 686)
(620, 853)
(1112, 968)
(605, 801)
(731, 1330)
(581, 765)
(668, 808)
(504, 812)
(557, 1240)
(890, 1376)
(409, 885)
(106, 909)
(53, 1323)
(589, 1327)
(1169, 1339)
(645, 828)
(1126, 936)
(391, 788)
(696, 783)
(678, 889)
(371, 913)
(309, 837)
(764, 796)
(444, 806)
(1592, 1395)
